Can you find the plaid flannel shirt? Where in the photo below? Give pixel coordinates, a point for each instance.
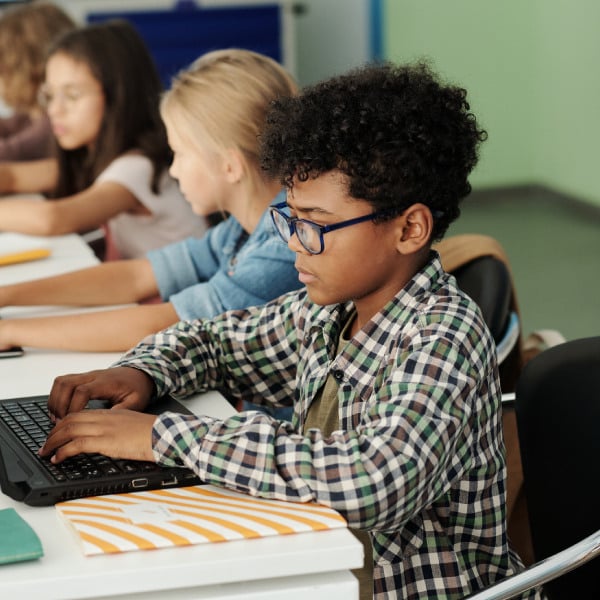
(419, 456)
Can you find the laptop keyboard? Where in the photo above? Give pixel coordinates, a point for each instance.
(31, 423)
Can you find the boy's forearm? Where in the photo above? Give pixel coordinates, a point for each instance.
(176, 359)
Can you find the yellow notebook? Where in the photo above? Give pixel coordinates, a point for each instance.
(186, 516)
(24, 256)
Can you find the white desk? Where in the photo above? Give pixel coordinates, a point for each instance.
(33, 374)
(69, 252)
(295, 567)
(300, 566)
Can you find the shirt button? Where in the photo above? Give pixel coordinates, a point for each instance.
(338, 375)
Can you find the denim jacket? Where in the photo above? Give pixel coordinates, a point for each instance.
(223, 270)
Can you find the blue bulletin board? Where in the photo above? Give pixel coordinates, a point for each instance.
(178, 36)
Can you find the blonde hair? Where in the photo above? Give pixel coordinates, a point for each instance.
(220, 101)
(26, 33)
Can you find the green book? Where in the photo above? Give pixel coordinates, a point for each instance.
(18, 542)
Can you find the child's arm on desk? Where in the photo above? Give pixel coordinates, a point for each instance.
(28, 177)
(117, 282)
(114, 330)
(79, 212)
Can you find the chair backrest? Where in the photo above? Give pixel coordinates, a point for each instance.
(558, 419)
(487, 280)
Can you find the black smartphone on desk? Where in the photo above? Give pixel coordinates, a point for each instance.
(12, 352)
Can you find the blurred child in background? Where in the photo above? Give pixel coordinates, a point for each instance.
(26, 33)
(102, 92)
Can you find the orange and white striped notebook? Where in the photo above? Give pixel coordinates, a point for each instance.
(185, 516)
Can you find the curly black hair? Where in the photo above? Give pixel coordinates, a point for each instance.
(399, 135)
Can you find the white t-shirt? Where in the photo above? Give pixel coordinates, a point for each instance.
(171, 218)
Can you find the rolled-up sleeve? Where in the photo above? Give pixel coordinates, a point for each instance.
(182, 265)
(205, 277)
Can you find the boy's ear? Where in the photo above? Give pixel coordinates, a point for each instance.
(233, 165)
(416, 225)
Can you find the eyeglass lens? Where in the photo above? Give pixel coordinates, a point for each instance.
(308, 235)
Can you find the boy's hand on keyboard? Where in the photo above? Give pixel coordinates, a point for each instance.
(123, 387)
(116, 433)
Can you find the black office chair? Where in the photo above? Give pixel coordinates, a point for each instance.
(558, 416)
(487, 280)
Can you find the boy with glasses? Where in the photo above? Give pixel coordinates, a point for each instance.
(389, 367)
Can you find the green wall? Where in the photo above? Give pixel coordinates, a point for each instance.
(531, 69)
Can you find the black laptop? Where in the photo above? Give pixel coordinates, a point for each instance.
(26, 477)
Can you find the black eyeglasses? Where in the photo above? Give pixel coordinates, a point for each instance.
(310, 235)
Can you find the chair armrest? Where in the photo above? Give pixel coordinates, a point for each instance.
(546, 570)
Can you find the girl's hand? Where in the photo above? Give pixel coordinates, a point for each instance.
(116, 433)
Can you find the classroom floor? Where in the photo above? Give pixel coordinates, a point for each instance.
(553, 244)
